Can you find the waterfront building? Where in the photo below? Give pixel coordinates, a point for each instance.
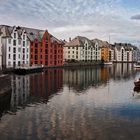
(0, 51)
(123, 52)
(45, 49)
(15, 46)
(105, 51)
(79, 49)
(97, 44)
(111, 53)
(136, 54)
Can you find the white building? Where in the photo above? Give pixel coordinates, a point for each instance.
(0, 52)
(15, 46)
(81, 49)
(98, 44)
(123, 52)
(111, 53)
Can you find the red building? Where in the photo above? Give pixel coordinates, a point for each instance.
(45, 49)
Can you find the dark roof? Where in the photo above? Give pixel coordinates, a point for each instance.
(31, 33)
(79, 41)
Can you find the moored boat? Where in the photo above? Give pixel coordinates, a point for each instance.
(108, 63)
(137, 83)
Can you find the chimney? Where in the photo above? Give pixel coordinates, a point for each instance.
(69, 39)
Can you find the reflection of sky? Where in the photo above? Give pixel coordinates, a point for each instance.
(109, 111)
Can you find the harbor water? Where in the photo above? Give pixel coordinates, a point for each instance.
(83, 103)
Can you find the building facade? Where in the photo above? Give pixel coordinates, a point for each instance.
(105, 51)
(98, 44)
(15, 47)
(45, 49)
(81, 49)
(123, 52)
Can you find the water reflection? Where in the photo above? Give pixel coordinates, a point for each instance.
(47, 105)
(80, 79)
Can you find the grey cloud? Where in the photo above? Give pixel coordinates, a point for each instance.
(136, 17)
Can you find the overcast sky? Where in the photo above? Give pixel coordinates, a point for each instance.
(119, 19)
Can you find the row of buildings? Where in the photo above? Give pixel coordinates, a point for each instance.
(84, 49)
(22, 46)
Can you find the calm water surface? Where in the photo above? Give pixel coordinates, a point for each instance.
(91, 103)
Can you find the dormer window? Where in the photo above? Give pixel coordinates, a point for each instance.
(23, 37)
(14, 35)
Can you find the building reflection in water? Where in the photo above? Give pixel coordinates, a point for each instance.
(31, 88)
(46, 83)
(20, 90)
(26, 89)
(81, 78)
(69, 116)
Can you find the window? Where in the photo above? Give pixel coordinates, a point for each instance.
(23, 43)
(36, 57)
(9, 56)
(14, 50)
(14, 35)
(14, 42)
(19, 42)
(23, 37)
(14, 57)
(23, 50)
(19, 49)
(9, 49)
(9, 40)
(19, 56)
(23, 57)
(18, 63)
(9, 63)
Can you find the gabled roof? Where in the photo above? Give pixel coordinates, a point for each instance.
(6, 30)
(78, 41)
(126, 46)
(54, 39)
(34, 33)
(100, 42)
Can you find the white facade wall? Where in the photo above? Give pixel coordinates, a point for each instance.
(123, 56)
(16, 50)
(111, 55)
(97, 51)
(72, 53)
(87, 52)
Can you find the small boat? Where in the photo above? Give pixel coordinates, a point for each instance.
(137, 65)
(137, 83)
(108, 63)
(136, 89)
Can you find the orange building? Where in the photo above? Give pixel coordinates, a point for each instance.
(105, 52)
(45, 49)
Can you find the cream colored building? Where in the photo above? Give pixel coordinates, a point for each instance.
(80, 49)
